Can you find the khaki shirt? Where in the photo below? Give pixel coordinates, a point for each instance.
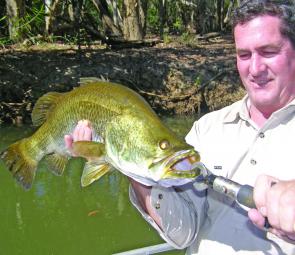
(230, 145)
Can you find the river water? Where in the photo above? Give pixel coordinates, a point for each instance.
(58, 217)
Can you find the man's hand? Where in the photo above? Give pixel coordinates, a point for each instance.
(82, 132)
(143, 194)
(275, 200)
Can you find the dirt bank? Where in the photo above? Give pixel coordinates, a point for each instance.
(175, 79)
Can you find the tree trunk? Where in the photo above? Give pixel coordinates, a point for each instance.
(201, 17)
(220, 12)
(15, 11)
(133, 29)
(107, 20)
(53, 9)
(117, 19)
(162, 16)
(189, 14)
(229, 11)
(116, 13)
(143, 14)
(3, 13)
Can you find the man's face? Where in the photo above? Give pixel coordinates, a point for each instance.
(266, 63)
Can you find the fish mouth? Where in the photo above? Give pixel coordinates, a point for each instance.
(180, 165)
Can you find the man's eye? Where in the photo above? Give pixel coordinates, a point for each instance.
(269, 54)
(244, 56)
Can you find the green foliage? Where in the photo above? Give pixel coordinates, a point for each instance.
(3, 18)
(174, 17)
(180, 18)
(5, 41)
(90, 14)
(188, 39)
(198, 81)
(167, 38)
(3, 26)
(29, 25)
(178, 25)
(153, 21)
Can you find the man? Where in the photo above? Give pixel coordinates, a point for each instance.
(250, 142)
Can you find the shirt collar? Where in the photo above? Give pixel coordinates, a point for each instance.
(240, 110)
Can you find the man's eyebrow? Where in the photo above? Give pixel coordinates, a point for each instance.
(262, 47)
(240, 50)
(271, 46)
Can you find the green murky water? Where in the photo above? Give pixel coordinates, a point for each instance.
(58, 217)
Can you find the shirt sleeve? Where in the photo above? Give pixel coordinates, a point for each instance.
(193, 137)
(179, 218)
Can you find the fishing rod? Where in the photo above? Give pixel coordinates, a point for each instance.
(153, 249)
(242, 194)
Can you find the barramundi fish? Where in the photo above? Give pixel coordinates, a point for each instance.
(127, 135)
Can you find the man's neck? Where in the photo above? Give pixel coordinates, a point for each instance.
(257, 116)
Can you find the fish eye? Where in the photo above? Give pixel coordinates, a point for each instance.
(164, 144)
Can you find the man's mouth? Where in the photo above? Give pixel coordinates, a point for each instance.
(260, 82)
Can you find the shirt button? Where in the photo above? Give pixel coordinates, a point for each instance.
(253, 161)
(261, 135)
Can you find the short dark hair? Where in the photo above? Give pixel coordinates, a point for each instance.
(283, 9)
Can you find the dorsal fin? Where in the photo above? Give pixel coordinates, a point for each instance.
(44, 106)
(87, 80)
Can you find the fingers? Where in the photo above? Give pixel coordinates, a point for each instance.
(83, 131)
(275, 200)
(262, 189)
(68, 141)
(286, 210)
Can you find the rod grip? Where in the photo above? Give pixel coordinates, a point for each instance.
(245, 197)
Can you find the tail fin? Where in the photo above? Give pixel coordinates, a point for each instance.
(20, 163)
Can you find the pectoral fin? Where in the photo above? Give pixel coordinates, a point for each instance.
(88, 149)
(95, 167)
(57, 163)
(93, 170)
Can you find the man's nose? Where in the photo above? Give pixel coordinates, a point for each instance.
(257, 65)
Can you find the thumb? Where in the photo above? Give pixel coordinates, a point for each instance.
(257, 218)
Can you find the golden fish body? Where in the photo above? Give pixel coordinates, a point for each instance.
(127, 134)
